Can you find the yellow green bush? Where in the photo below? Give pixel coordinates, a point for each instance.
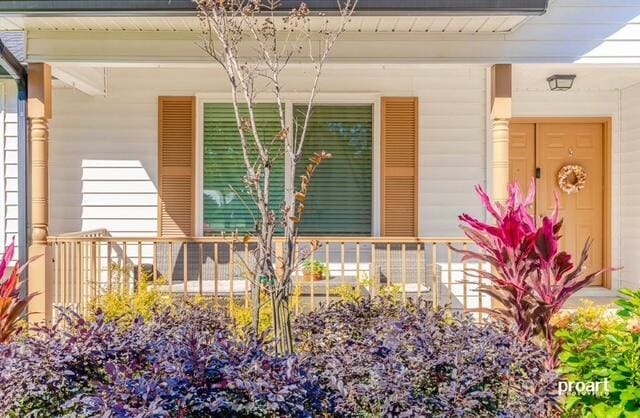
(125, 306)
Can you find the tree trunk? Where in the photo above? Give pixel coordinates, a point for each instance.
(283, 335)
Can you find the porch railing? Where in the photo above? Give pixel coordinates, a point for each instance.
(90, 264)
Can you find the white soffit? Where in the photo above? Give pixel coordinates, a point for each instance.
(402, 24)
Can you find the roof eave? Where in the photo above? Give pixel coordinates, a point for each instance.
(186, 7)
(10, 64)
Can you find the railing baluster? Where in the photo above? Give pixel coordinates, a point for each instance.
(109, 275)
(95, 253)
(245, 276)
(480, 316)
(170, 268)
(297, 284)
(66, 276)
(312, 257)
(404, 272)
(464, 281)
(201, 268)
(185, 267)
(342, 281)
(419, 268)
(374, 274)
(232, 272)
(87, 276)
(80, 295)
(154, 262)
(449, 278)
(434, 276)
(139, 268)
(57, 276)
(125, 269)
(327, 259)
(357, 268)
(389, 281)
(216, 272)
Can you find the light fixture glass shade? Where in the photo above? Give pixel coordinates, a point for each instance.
(561, 82)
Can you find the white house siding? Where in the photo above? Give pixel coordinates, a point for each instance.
(630, 186)
(8, 164)
(103, 150)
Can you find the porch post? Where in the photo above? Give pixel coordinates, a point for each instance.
(500, 116)
(39, 113)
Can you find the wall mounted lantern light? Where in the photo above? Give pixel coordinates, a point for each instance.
(561, 82)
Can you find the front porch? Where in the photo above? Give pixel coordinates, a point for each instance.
(104, 174)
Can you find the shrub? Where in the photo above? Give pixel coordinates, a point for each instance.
(125, 306)
(384, 358)
(183, 362)
(531, 278)
(596, 349)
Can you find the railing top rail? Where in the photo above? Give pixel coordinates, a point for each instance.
(101, 232)
(239, 240)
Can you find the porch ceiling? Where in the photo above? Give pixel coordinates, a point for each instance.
(434, 24)
(533, 77)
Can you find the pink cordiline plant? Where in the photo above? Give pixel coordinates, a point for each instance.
(12, 303)
(530, 279)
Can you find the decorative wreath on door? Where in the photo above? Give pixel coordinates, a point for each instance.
(572, 178)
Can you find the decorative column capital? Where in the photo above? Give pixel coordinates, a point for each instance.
(39, 91)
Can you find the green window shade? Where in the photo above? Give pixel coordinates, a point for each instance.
(223, 168)
(339, 201)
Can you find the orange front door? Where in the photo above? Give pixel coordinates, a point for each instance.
(551, 146)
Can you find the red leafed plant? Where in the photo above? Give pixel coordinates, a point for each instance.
(12, 304)
(531, 279)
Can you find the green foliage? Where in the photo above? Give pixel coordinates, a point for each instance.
(629, 307)
(604, 349)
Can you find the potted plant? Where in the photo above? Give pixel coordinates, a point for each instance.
(314, 270)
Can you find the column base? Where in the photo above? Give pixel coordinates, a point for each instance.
(40, 281)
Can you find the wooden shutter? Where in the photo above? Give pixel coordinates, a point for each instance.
(176, 156)
(400, 166)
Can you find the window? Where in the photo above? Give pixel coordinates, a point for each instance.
(340, 198)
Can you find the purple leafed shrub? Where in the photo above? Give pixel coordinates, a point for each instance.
(182, 363)
(531, 278)
(382, 358)
(364, 358)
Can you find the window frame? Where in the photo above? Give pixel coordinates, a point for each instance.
(338, 99)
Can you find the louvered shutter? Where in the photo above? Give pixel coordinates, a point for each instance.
(400, 166)
(339, 201)
(225, 195)
(176, 156)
